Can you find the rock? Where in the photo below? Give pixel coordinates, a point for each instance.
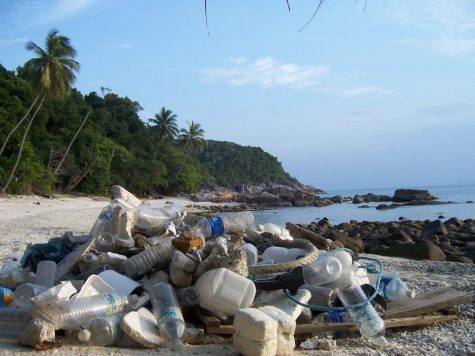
(356, 245)
(435, 227)
(182, 268)
(407, 195)
(317, 343)
(345, 227)
(37, 332)
(454, 221)
(417, 251)
(400, 235)
(457, 258)
(236, 262)
(370, 197)
(285, 329)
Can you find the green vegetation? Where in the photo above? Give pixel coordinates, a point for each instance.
(56, 139)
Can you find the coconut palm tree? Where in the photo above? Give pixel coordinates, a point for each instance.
(192, 140)
(52, 74)
(166, 127)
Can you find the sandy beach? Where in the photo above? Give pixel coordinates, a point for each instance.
(32, 219)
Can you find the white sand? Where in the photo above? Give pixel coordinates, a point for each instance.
(22, 221)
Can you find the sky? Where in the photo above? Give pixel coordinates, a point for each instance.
(380, 95)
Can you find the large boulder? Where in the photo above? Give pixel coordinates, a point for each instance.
(417, 251)
(407, 195)
(370, 197)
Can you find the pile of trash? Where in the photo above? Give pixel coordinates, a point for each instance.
(141, 277)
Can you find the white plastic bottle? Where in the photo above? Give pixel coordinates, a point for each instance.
(281, 254)
(45, 273)
(102, 331)
(144, 261)
(224, 291)
(73, 313)
(168, 314)
(219, 225)
(395, 289)
(251, 253)
(283, 233)
(365, 317)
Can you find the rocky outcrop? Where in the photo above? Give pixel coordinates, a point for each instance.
(370, 197)
(407, 195)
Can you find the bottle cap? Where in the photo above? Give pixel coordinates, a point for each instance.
(411, 293)
(84, 335)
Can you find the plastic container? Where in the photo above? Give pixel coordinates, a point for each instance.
(121, 284)
(123, 194)
(224, 291)
(102, 222)
(95, 285)
(6, 296)
(349, 291)
(45, 273)
(168, 314)
(12, 262)
(73, 313)
(322, 296)
(395, 289)
(251, 253)
(102, 331)
(160, 253)
(105, 242)
(283, 233)
(324, 270)
(282, 254)
(26, 291)
(13, 321)
(146, 218)
(89, 260)
(14, 278)
(112, 259)
(219, 225)
(188, 297)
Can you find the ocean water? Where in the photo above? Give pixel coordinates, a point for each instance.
(338, 213)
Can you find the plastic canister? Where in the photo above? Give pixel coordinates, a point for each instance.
(224, 291)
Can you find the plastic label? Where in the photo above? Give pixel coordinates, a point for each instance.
(106, 214)
(170, 313)
(114, 303)
(217, 226)
(384, 283)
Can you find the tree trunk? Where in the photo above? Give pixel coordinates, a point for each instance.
(18, 124)
(72, 141)
(110, 159)
(86, 172)
(4, 189)
(184, 161)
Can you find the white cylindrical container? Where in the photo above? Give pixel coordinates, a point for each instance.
(224, 291)
(282, 254)
(45, 273)
(251, 253)
(283, 233)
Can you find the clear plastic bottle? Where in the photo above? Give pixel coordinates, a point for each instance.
(395, 289)
(322, 296)
(188, 297)
(143, 262)
(105, 242)
(45, 273)
(73, 313)
(168, 314)
(102, 331)
(324, 270)
(219, 225)
(146, 218)
(24, 293)
(365, 317)
(89, 260)
(102, 222)
(13, 321)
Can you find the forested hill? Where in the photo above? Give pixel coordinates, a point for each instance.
(86, 143)
(231, 164)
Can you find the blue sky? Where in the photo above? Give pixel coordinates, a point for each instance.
(382, 97)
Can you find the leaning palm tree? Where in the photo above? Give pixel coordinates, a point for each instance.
(166, 127)
(192, 140)
(52, 74)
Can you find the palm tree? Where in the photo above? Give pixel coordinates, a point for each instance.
(165, 125)
(52, 74)
(192, 140)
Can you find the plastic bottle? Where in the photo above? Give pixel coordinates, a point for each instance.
(113, 259)
(73, 313)
(188, 297)
(168, 314)
(13, 321)
(6, 296)
(26, 291)
(102, 331)
(323, 270)
(144, 261)
(102, 221)
(350, 293)
(274, 229)
(224, 291)
(45, 273)
(146, 218)
(105, 242)
(251, 253)
(322, 296)
(395, 289)
(219, 225)
(331, 318)
(89, 260)
(282, 254)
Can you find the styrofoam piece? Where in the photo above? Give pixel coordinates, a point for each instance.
(122, 284)
(95, 285)
(142, 326)
(62, 291)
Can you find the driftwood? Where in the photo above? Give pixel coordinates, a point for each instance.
(356, 245)
(298, 232)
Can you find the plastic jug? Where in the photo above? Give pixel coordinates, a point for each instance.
(224, 291)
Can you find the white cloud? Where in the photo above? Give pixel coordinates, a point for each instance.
(370, 89)
(266, 72)
(11, 41)
(447, 25)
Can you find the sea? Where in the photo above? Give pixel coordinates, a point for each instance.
(458, 196)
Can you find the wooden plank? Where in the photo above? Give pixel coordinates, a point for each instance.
(388, 323)
(208, 320)
(427, 302)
